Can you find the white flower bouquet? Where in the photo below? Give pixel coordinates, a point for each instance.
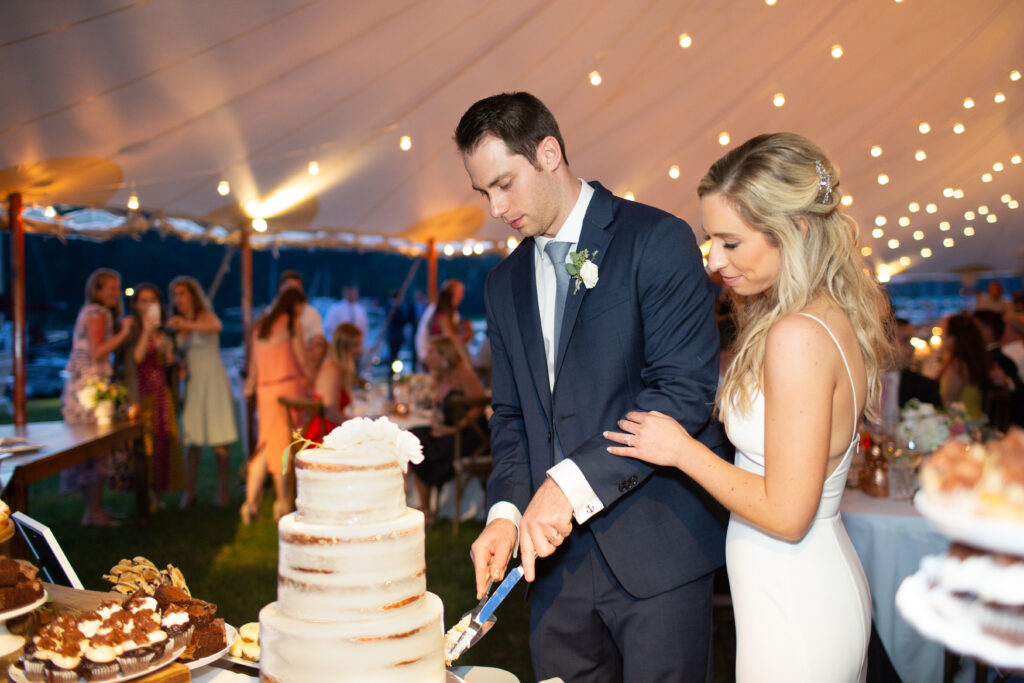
(922, 427)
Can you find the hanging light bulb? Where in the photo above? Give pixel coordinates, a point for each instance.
(259, 224)
(313, 168)
(846, 200)
(685, 40)
(133, 202)
(629, 196)
(595, 78)
(51, 212)
(511, 243)
(405, 143)
(779, 99)
(924, 127)
(673, 172)
(876, 151)
(837, 51)
(449, 250)
(223, 188)
(723, 138)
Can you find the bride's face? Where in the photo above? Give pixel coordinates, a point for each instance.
(746, 260)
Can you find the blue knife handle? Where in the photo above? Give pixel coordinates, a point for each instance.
(503, 590)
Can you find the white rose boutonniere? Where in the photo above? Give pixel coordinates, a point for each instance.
(582, 269)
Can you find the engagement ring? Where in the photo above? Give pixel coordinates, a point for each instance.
(629, 440)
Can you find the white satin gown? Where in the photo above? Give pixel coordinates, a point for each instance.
(803, 611)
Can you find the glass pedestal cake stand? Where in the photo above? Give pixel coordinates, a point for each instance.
(8, 641)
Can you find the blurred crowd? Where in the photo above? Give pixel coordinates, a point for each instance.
(166, 353)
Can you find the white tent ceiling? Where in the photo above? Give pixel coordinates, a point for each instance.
(103, 99)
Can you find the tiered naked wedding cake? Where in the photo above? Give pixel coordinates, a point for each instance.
(351, 591)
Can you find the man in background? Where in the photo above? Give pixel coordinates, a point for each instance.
(309, 319)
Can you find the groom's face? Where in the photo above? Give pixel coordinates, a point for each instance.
(519, 193)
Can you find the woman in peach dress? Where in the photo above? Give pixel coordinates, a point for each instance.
(278, 368)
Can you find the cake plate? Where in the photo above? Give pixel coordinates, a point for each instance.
(8, 641)
(230, 634)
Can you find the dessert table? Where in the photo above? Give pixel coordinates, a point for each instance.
(891, 537)
(64, 445)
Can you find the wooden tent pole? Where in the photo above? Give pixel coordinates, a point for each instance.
(432, 270)
(17, 225)
(246, 255)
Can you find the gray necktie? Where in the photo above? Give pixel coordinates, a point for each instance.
(557, 252)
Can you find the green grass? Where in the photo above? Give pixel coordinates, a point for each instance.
(235, 566)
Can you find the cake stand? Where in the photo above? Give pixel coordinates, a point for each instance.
(8, 641)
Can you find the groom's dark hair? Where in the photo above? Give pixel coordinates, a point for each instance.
(518, 119)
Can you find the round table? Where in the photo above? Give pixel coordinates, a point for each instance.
(891, 537)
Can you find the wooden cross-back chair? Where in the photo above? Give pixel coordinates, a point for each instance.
(469, 464)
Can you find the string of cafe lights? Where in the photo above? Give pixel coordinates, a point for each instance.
(884, 271)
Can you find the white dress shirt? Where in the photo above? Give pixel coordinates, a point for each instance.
(346, 311)
(566, 473)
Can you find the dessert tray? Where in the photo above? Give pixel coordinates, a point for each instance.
(914, 601)
(230, 634)
(24, 609)
(952, 515)
(20, 448)
(18, 676)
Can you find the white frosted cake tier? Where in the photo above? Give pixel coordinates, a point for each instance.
(348, 487)
(336, 572)
(403, 645)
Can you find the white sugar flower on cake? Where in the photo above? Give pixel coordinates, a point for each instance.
(382, 432)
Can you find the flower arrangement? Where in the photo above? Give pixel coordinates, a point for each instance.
(97, 390)
(924, 428)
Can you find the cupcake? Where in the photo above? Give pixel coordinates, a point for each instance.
(99, 661)
(140, 601)
(108, 608)
(178, 625)
(152, 638)
(89, 623)
(134, 657)
(63, 664)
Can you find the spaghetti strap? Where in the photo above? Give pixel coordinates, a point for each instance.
(849, 374)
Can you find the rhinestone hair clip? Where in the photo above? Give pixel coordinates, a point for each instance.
(824, 181)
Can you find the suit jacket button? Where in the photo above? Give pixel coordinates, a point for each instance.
(632, 481)
(624, 486)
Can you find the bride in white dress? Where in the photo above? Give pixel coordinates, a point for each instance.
(811, 338)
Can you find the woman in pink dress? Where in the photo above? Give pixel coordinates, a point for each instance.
(278, 368)
(92, 343)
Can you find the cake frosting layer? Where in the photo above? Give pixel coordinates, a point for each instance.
(403, 645)
(335, 572)
(351, 486)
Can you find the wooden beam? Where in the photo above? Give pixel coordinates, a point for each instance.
(20, 350)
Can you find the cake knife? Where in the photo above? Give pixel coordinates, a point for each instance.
(482, 618)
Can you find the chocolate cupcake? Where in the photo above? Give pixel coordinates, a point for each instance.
(99, 663)
(178, 625)
(134, 658)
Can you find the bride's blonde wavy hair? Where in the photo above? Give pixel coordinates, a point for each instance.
(773, 184)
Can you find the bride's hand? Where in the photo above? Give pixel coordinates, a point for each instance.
(652, 437)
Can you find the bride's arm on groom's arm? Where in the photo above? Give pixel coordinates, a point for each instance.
(799, 383)
(680, 365)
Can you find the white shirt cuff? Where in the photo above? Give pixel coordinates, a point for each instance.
(569, 477)
(505, 510)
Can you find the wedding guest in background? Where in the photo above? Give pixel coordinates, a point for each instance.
(92, 342)
(401, 314)
(1013, 340)
(1004, 372)
(208, 416)
(348, 310)
(446, 321)
(426, 328)
(964, 376)
(908, 383)
(812, 339)
(335, 379)
(992, 299)
(147, 354)
(310, 322)
(279, 367)
(453, 378)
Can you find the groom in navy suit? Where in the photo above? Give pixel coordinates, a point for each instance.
(603, 308)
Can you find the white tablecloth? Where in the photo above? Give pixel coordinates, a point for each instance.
(891, 537)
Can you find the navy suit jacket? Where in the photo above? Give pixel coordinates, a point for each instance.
(644, 338)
